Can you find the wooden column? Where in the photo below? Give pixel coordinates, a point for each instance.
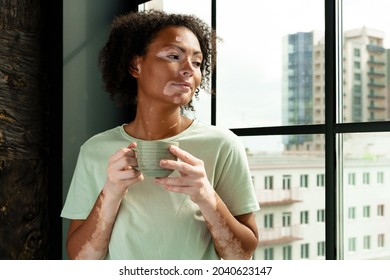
(23, 132)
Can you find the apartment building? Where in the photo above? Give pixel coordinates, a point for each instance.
(291, 193)
(366, 82)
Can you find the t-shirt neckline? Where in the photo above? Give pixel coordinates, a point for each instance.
(172, 138)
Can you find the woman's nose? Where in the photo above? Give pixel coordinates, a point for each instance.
(187, 69)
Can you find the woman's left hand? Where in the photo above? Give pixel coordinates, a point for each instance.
(193, 180)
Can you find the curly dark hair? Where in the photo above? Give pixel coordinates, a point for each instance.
(130, 36)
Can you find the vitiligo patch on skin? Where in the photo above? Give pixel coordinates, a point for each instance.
(179, 39)
(93, 246)
(225, 241)
(168, 90)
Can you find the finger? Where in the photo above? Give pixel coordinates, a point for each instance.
(127, 173)
(176, 165)
(172, 181)
(121, 153)
(183, 155)
(132, 145)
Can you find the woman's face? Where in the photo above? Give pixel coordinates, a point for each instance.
(170, 70)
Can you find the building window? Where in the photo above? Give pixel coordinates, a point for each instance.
(269, 182)
(286, 182)
(351, 179)
(286, 219)
(367, 242)
(321, 215)
(321, 249)
(366, 178)
(356, 64)
(304, 251)
(320, 180)
(304, 217)
(381, 210)
(357, 76)
(268, 220)
(352, 244)
(351, 213)
(269, 253)
(366, 211)
(380, 177)
(381, 240)
(304, 181)
(356, 52)
(287, 252)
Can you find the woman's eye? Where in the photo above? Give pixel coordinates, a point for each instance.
(173, 56)
(197, 64)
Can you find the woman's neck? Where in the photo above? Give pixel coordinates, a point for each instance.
(152, 124)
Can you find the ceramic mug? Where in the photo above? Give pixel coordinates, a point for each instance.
(150, 153)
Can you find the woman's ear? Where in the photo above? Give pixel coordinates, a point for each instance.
(135, 67)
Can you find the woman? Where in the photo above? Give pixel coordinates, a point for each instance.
(204, 210)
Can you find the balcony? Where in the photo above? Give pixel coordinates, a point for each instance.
(375, 62)
(279, 235)
(278, 197)
(376, 85)
(376, 73)
(376, 96)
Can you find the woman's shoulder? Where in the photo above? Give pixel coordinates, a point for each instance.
(216, 131)
(101, 139)
(215, 134)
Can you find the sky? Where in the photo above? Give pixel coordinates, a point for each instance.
(249, 79)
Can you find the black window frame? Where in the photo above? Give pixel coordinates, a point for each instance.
(332, 128)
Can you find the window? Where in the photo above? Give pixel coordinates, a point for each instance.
(268, 182)
(268, 220)
(381, 240)
(321, 249)
(320, 180)
(366, 211)
(287, 252)
(351, 213)
(286, 219)
(304, 181)
(286, 182)
(380, 177)
(269, 253)
(351, 179)
(321, 215)
(366, 178)
(367, 242)
(356, 52)
(288, 133)
(304, 251)
(381, 210)
(304, 217)
(352, 244)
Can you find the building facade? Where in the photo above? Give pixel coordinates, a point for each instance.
(291, 194)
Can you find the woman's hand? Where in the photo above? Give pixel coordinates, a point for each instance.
(234, 237)
(121, 173)
(193, 180)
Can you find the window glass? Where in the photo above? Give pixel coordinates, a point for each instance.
(367, 201)
(366, 59)
(270, 63)
(294, 205)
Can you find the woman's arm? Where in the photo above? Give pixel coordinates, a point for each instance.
(89, 238)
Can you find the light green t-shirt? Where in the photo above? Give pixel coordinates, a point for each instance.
(153, 223)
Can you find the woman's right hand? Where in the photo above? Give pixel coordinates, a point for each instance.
(121, 172)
